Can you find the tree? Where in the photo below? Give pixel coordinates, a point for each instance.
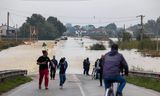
(24, 30)
(158, 25)
(111, 26)
(111, 29)
(55, 22)
(47, 29)
(126, 36)
(150, 26)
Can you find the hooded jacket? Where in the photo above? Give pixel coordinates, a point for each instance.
(113, 62)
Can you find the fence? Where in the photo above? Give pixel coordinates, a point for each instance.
(145, 74)
(11, 73)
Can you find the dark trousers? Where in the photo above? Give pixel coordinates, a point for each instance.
(62, 79)
(52, 73)
(86, 72)
(100, 78)
(120, 79)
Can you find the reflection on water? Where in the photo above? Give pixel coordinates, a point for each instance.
(25, 56)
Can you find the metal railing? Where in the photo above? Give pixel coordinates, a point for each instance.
(145, 74)
(11, 73)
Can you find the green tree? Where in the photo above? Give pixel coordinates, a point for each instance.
(158, 25)
(126, 36)
(55, 22)
(111, 29)
(47, 29)
(24, 30)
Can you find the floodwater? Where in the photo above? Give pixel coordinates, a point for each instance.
(25, 56)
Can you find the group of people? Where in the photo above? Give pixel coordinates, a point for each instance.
(109, 68)
(45, 64)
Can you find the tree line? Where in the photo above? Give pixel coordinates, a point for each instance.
(45, 29)
(152, 27)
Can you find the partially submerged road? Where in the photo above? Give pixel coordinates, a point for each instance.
(76, 85)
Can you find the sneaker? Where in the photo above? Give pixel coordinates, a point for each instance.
(46, 88)
(61, 87)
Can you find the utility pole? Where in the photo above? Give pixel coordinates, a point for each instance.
(7, 31)
(142, 28)
(30, 33)
(157, 41)
(37, 33)
(123, 32)
(34, 34)
(16, 31)
(124, 26)
(0, 35)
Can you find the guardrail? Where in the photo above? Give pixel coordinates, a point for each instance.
(145, 74)
(11, 73)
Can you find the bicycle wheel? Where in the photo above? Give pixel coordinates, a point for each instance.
(93, 74)
(111, 92)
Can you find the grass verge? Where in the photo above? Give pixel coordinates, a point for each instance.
(12, 83)
(147, 82)
(9, 43)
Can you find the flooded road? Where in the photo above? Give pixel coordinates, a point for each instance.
(25, 56)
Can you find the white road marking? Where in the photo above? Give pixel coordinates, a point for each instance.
(79, 85)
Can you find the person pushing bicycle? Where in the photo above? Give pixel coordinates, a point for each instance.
(114, 63)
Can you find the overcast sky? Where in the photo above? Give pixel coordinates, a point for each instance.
(96, 12)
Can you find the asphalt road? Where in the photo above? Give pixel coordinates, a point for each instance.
(76, 85)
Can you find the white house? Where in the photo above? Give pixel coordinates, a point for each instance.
(3, 30)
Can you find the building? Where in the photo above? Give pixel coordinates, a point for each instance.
(3, 30)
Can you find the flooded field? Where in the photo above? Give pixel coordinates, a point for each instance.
(74, 49)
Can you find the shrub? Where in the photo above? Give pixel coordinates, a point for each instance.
(97, 46)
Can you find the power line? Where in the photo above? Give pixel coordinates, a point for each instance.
(61, 16)
(96, 20)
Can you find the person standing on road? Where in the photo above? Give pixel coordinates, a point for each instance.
(86, 66)
(43, 68)
(53, 66)
(113, 61)
(62, 71)
(96, 67)
(101, 62)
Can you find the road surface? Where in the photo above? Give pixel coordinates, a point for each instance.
(76, 85)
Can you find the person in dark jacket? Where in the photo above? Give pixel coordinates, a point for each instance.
(113, 61)
(97, 68)
(86, 66)
(63, 65)
(53, 66)
(43, 68)
(101, 62)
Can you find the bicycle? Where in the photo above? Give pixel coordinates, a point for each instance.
(93, 73)
(110, 91)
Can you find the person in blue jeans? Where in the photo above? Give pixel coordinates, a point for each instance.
(114, 63)
(62, 71)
